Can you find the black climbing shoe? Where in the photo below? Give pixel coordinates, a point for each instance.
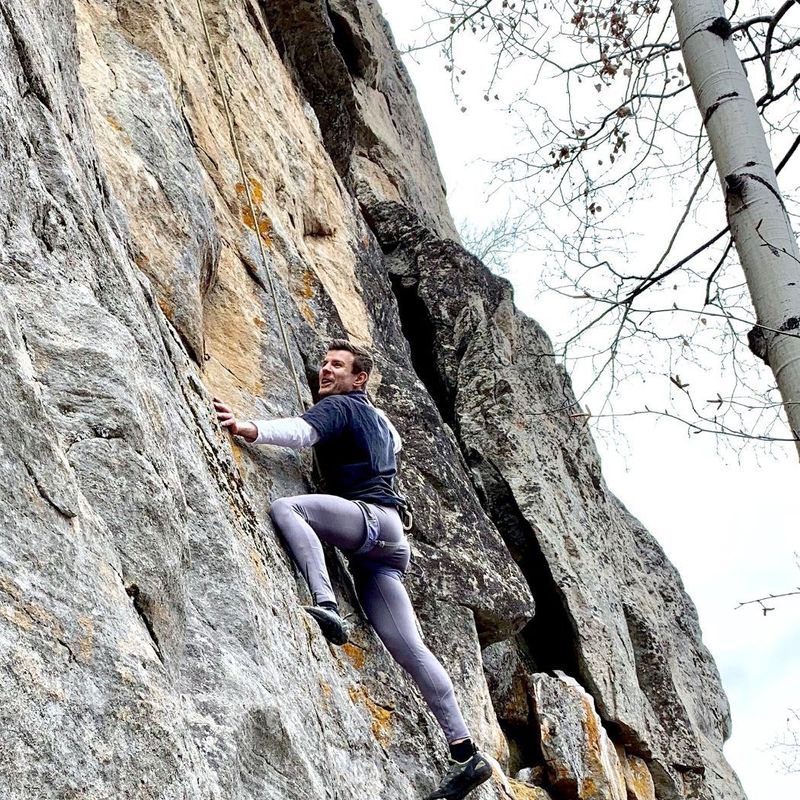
(462, 777)
(330, 623)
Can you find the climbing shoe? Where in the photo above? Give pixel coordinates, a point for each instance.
(330, 623)
(462, 777)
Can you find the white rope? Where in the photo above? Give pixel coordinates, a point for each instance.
(253, 215)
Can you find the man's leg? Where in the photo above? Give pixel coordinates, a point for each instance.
(307, 520)
(389, 610)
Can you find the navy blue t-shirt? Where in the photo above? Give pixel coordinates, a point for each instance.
(355, 451)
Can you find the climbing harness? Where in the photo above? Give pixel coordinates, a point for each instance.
(251, 206)
(406, 516)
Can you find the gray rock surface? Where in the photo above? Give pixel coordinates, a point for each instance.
(151, 641)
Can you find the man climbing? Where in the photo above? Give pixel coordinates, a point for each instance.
(355, 446)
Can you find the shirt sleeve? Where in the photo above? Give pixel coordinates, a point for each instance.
(328, 417)
(292, 432)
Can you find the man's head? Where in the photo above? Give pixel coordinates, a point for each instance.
(345, 368)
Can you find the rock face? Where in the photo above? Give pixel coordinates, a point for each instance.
(151, 642)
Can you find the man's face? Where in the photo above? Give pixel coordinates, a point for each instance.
(336, 374)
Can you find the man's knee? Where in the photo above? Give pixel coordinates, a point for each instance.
(282, 510)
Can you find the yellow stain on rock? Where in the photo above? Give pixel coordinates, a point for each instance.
(637, 777)
(233, 323)
(256, 191)
(587, 789)
(308, 313)
(236, 449)
(354, 654)
(308, 284)
(10, 588)
(21, 619)
(592, 728)
(86, 642)
(258, 566)
(264, 225)
(264, 222)
(306, 293)
(524, 791)
(381, 717)
(326, 694)
(166, 308)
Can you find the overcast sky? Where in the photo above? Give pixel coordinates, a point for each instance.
(728, 523)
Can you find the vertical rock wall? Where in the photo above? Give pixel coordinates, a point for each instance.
(151, 643)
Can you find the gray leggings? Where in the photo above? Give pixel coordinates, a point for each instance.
(306, 520)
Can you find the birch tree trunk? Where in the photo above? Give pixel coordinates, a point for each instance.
(758, 220)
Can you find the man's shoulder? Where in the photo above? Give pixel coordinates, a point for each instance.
(348, 400)
(331, 401)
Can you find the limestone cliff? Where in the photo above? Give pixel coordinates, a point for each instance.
(151, 642)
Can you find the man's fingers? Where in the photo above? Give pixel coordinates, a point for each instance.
(225, 415)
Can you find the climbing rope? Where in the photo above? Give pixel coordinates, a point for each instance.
(251, 205)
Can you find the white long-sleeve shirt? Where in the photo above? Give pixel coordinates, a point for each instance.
(296, 433)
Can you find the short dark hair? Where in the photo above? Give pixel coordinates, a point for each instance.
(362, 358)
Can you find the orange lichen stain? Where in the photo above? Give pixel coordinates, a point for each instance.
(637, 776)
(642, 785)
(308, 284)
(264, 225)
(257, 196)
(308, 313)
(166, 308)
(114, 122)
(86, 642)
(355, 654)
(587, 790)
(524, 791)
(592, 729)
(256, 191)
(306, 293)
(381, 717)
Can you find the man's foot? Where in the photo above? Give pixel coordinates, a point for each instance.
(330, 623)
(461, 778)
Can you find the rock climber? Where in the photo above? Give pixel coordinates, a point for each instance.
(355, 447)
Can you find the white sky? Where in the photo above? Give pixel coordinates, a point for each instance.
(729, 527)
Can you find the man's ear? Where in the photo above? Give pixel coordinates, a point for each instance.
(361, 380)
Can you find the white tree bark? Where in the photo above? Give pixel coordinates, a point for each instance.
(761, 230)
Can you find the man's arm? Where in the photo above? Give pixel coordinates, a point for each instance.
(291, 432)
